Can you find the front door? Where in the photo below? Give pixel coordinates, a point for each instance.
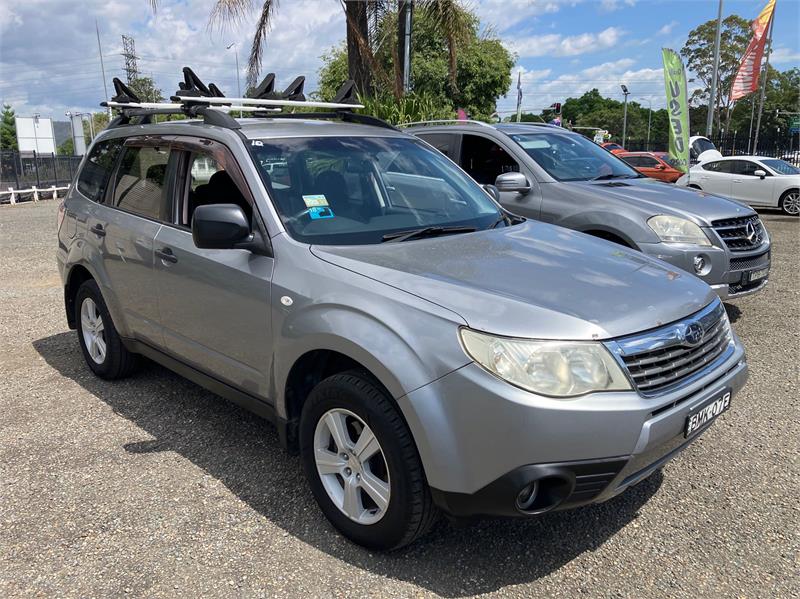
(749, 188)
(214, 304)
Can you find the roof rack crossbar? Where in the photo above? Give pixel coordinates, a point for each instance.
(344, 115)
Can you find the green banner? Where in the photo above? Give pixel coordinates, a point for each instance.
(677, 108)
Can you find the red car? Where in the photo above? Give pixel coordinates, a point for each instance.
(612, 147)
(656, 165)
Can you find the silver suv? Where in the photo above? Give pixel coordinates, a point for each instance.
(557, 176)
(421, 348)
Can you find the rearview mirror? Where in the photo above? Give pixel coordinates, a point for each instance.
(512, 182)
(220, 227)
(760, 173)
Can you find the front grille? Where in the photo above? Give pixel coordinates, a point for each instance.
(739, 235)
(751, 262)
(662, 359)
(735, 288)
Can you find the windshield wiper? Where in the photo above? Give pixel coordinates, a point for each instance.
(612, 176)
(425, 232)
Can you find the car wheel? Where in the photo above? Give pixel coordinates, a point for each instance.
(362, 464)
(693, 186)
(790, 202)
(102, 347)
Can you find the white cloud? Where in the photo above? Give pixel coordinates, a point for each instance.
(783, 55)
(505, 14)
(555, 44)
(612, 5)
(667, 29)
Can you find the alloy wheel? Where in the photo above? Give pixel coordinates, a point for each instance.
(791, 203)
(352, 466)
(93, 331)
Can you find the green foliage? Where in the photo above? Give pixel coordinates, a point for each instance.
(146, 89)
(8, 129)
(411, 107)
(782, 93)
(67, 148)
(483, 66)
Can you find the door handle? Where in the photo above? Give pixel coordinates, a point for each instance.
(98, 230)
(166, 255)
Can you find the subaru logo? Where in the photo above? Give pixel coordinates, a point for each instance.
(693, 334)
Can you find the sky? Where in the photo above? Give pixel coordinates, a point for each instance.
(49, 60)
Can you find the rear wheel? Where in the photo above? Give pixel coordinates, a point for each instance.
(790, 202)
(101, 345)
(362, 464)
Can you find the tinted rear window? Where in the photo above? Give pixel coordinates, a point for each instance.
(96, 172)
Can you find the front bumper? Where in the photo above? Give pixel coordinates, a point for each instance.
(482, 440)
(724, 271)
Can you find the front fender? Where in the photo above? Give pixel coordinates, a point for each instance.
(624, 227)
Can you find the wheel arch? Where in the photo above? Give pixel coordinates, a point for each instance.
(613, 236)
(78, 274)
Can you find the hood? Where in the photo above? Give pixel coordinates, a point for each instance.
(532, 280)
(657, 197)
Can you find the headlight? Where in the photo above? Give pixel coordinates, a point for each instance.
(673, 229)
(553, 368)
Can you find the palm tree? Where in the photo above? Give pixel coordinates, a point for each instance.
(362, 66)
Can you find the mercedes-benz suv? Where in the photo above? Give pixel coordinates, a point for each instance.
(421, 348)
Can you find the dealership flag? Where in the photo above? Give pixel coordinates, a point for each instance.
(746, 81)
(677, 108)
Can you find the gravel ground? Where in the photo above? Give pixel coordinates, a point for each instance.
(153, 486)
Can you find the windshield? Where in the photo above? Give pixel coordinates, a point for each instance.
(782, 167)
(356, 190)
(568, 157)
(701, 144)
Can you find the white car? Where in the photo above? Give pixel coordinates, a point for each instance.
(754, 180)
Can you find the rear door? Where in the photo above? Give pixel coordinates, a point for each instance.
(713, 177)
(135, 206)
(214, 304)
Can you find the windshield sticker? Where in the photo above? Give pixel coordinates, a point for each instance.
(315, 200)
(318, 212)
(257, 142)
(533, 144)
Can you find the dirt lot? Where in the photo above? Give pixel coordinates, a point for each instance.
(153, 486)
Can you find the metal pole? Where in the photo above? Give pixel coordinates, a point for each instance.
(102, 66)
(715, 75)
(750, 132)
(649, 120)
(519, 95)
(625, 120)
(407, 47)
(764, 82)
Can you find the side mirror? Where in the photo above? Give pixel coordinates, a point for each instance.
(492, 191)
(512, 182)
(660, 167)
(220, 227)
(760, 173)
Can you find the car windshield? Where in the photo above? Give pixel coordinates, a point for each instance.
(782, 167)
(358, 190)
(701, 144)
(570, 157)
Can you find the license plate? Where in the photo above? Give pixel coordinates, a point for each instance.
(707, 412)
(755, 275)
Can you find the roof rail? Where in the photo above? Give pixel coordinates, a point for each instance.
(343, 115)
(442, 121)
(195, 98)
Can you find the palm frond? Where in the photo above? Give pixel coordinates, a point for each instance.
(229, 12)
(259, 40)
(153, 5)
(453, 22)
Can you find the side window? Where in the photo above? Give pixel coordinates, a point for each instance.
(632, 160)
(444, 142)
(140, 183)
(744, 167)
(209, 183)
(484, 160)
(714, 167)
(648, 162)
(96, 172)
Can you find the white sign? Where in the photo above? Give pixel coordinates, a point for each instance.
(35, 134)
(600, 136)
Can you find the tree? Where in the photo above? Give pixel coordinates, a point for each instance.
(699, 55)
(483, 69)
(146, 89)
(8, 129)
(67, 148)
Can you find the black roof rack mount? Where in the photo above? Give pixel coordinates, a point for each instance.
(194, 98)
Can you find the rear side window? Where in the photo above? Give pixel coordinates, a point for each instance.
(96, 172)
(140, 185)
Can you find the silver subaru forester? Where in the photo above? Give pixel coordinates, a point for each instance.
(422, 349)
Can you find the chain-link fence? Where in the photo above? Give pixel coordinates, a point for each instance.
(26, 170)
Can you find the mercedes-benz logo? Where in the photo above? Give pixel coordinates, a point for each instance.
(693, 335)
(752, 234)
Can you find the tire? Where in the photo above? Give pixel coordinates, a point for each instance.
(355, 400)
(790, 202)
(107, 357)
(693, 186)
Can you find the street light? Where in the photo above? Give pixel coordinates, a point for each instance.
(649, 120)
(238, 83)
(625, 113)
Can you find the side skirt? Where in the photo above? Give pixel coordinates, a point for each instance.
(248, 402)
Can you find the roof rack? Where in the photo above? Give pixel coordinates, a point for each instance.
(194, 99)
(443, 121)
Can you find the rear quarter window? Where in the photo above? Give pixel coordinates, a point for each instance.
(93, 178)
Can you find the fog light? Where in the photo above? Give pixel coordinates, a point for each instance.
(699, 264)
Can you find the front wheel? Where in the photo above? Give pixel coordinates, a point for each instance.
(790, 202)
(362, 464)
